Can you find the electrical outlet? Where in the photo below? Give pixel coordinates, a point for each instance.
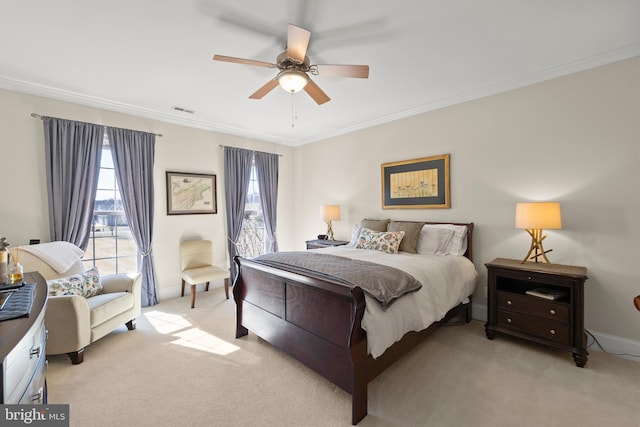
(485, 292)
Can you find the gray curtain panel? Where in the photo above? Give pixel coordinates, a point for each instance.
(72, 155)
(237, 171)
(267, 171)
(133, 156)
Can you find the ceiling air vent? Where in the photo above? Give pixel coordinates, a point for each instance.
(184, 110)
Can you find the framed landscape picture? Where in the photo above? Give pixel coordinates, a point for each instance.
(416, 184)
(191, 193)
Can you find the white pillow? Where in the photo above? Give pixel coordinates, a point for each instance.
(434, 240)
(457, 245)
(355, 233)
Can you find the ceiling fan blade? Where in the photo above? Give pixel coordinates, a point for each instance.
(243, 61)
(316, 93)
(358, 71)
(297, 42)
(265, 89)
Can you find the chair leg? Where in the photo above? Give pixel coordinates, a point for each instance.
(207, 287)
(193, 296)
(77, 357)
(182, 287)
(226, 287)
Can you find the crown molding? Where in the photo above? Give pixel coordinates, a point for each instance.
(526, 80)
(583, 64)
(35, 89)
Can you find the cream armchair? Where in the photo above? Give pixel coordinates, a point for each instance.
(73, 321)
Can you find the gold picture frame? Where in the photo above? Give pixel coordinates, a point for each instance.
(416, 184)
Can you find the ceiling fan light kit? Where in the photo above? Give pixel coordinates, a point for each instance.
(292, 81)
(295, 67)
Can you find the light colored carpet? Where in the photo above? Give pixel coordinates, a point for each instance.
(183, 367)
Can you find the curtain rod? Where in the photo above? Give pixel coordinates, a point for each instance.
(38, 116)
(223, 146)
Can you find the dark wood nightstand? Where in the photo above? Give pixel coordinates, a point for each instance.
(556, 322)
(317, 244)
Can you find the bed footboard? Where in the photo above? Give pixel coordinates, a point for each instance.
(317, 321)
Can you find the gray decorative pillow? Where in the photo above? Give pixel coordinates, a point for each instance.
(411, 234)
(375, 224)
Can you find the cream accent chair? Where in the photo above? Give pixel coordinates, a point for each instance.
(73, 321)
(196, 257)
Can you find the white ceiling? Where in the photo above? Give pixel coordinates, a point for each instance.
(145, 57)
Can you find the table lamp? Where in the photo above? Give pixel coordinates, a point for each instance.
(534, 217)
(330, 213)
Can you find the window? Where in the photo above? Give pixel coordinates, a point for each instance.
(111, 247)
(251, 241)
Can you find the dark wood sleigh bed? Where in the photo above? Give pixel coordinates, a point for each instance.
(318, 322)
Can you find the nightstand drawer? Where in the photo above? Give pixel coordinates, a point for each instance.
(557, 332)
(532, 305)
(537, 278)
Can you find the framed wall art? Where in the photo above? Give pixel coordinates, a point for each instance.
(191, 193)
(416, 184)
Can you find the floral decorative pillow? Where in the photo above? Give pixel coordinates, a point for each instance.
(387, 241)
(86, 284)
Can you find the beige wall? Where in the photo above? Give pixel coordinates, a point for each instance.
(574, 139)
(23, 205)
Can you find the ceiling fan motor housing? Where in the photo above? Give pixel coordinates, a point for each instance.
(286, 63)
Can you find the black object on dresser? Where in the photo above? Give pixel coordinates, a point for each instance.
(22, 350)
(317, 244)
(555, 319)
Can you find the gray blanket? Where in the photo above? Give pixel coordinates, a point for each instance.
(386, 284)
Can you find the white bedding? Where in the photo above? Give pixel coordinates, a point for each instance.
(446, 282)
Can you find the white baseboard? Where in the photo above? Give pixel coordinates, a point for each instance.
(479, 312)
(616, 346)
(611, 344)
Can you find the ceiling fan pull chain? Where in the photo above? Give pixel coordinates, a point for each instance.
(293, 111)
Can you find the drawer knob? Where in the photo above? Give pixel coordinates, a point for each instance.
(552, 331)
(38, 396)
(529, 277)
(509, 320)
(508, 302)
(552, 311)
(34, 352)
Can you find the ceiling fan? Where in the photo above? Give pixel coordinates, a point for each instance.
(295, 67)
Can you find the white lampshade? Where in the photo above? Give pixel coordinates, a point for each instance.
(538, 215)
(292, 80)
(330, 212)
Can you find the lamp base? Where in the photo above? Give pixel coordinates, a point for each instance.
(536, 250)
(329, 231)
